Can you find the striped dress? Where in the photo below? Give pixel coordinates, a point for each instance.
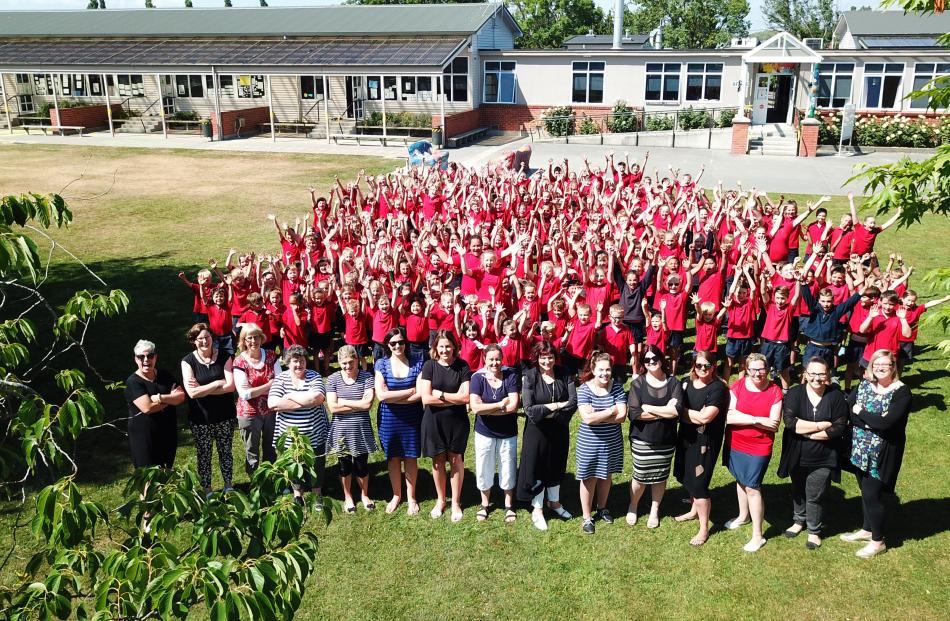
(599, 451)
(400, 423)
(351, 433)
(311, 421)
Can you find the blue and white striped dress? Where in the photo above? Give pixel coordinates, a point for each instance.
(400, 423)
(351, 433)
(310, 421)
(599, 451)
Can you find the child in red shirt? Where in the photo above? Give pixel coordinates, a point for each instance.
(912, 312)
(321, 326)
(416, 322)
(617, 340)
(220, 320)
(295, 323)
(656, 333)
(776, 332)
(355, 330)
(579, 339)
(384, 318)
(201, 291)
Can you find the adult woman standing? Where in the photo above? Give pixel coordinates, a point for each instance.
(399, 416)
(550, 400)
(815, 414)
(152, 394)
(879, 409)
(444, 386)
(297, 396)
(208, 379)
(599, 453)
(254, 371)
(702, 426)
(493, 398)
(654, 405)
(755, 411)
(349, 397)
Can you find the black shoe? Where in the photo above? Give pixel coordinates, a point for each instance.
(604, 515)
(791, 534)
(588, 527)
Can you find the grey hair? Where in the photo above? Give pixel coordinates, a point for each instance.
(143, 346)
(294, 351)
(346, 352)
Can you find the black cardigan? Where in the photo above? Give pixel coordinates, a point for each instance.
(833, 408)
(535, 395)
(890, 428)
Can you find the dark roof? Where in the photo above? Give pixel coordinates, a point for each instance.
(375, 20)
(877, 23)
(420, 51)
(601, 40)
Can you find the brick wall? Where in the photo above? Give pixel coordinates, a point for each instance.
(253, 117)
(90, 117)
(740, 136)
(513, 118)
(808, 138)
(460, 123)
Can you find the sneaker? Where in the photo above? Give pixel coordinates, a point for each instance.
(754, 546)
(871, 549)
(588, 526)
(604, 515)
(858, 535)
(537, 520)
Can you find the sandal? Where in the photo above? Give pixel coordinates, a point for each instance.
(510, 515)
(482, 514)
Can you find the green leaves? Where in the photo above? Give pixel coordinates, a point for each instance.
(85, 306)
(18, 254)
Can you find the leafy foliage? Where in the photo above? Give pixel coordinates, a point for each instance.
(802, 18)
(549, 23)
(622, 118)
(241, 555)
(694, 119)
(694, 24)
(725, 117)
(559, 121)
(588, 126)
(659, 122)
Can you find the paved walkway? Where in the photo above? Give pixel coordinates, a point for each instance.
(825, 174)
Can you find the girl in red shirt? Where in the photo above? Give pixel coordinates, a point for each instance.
(295, 324)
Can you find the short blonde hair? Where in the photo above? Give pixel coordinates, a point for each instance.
(347, 352)
(248, 330)
(882, 353)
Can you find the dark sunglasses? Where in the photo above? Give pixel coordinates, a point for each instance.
(702, 366)
(394, 343)
(143, 357)
(650, 360)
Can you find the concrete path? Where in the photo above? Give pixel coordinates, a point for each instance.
(825, 174)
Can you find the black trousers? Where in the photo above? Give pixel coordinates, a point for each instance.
(872, 503)
(809, 485)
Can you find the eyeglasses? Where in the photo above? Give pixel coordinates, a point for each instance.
(144, 357)
(882, 367)
(816, 375)
(702, 366)
(651, 360)
(395, 343)
(252, 338)
(761, 371)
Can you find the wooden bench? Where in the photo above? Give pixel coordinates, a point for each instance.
(296, 127)
(359, 139)
(46, 129)
(472, 135)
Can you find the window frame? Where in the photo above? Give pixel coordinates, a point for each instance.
(585, 70)
(835, 74)
(499, 68)
(455, 80)
(255, 89)
(665, 73)
(316, 94)
(929, 75)
(705, 74)
(886, 70)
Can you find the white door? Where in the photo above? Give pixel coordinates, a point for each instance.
(760, 98)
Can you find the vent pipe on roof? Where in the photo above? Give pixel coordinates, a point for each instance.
(618, 24)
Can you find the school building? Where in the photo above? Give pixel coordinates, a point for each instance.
(365, 72)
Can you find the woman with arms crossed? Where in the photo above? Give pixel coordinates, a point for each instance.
(599, 453)
(879, 409)
(254, 371)
(815, 414)
(550, 400)
(702, 426)
(444, 386)
(755, 411)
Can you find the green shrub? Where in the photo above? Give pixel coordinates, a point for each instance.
(659, 122)
(588, 126)
(725, 118)
(374, 119)
(559, 121)
(622, 118)
(184, 116)
(694, 119)
(829, 131)
(65, 103)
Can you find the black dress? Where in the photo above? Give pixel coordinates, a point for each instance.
(211, 409)
(153, 438)
(445, 428)
(547, 434)
(698, 446)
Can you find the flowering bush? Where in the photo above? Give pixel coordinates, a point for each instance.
(588, 126)
(889, 131)
(559, 121)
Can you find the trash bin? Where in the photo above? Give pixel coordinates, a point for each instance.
(206, 129)
(437, 140)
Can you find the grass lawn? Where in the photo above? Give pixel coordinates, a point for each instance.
(172, 210)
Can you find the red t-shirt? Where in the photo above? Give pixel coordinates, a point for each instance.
(295, 334)
(470, 352)
(842, 250)
(581, 341)
(862, 240)
(617, 342)
(321, 317)
(259, 318)
(913, 319)
(858, 314)
(383, 323)
(748, 438)
(200, 296)
(219, 319)
(707, 333)
(441, 319)
(417, 328)
(355, 332)
(741, 319)
(657, 337)
(883, 334)
(710, 287)
(777, 322)
(675, 309)
(513, 350)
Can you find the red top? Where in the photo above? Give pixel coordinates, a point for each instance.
(843, 249)
(710, 287)
(913, 319)
(863, 238)
(294, 333)
(200, 296)
(470, 352)
(514, 349)
(675, 309)
(321, 317)
(219, 319)
(355, 331)
(707, 333)
(259, 318)
(417, 328)
(777, 322)
(748, 438)
(581, 341)
(656, 337)
(741, 319)
(383, 323)
(883, 334)
(617, 342)
(441, 319)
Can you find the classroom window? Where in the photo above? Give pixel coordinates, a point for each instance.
(424, 87)
(72, 84)
(500, 82)
(834, 84)
(882, 84)
(372, 88)
(190, 86)
(250, 86)
(924, 73)
(311, 86)
(96, 88)
(42, 84)
(390, 84)
(663, 82)
(455, 80)
(703, 81)
(407, 86)
(587, 82)
(128, 85)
